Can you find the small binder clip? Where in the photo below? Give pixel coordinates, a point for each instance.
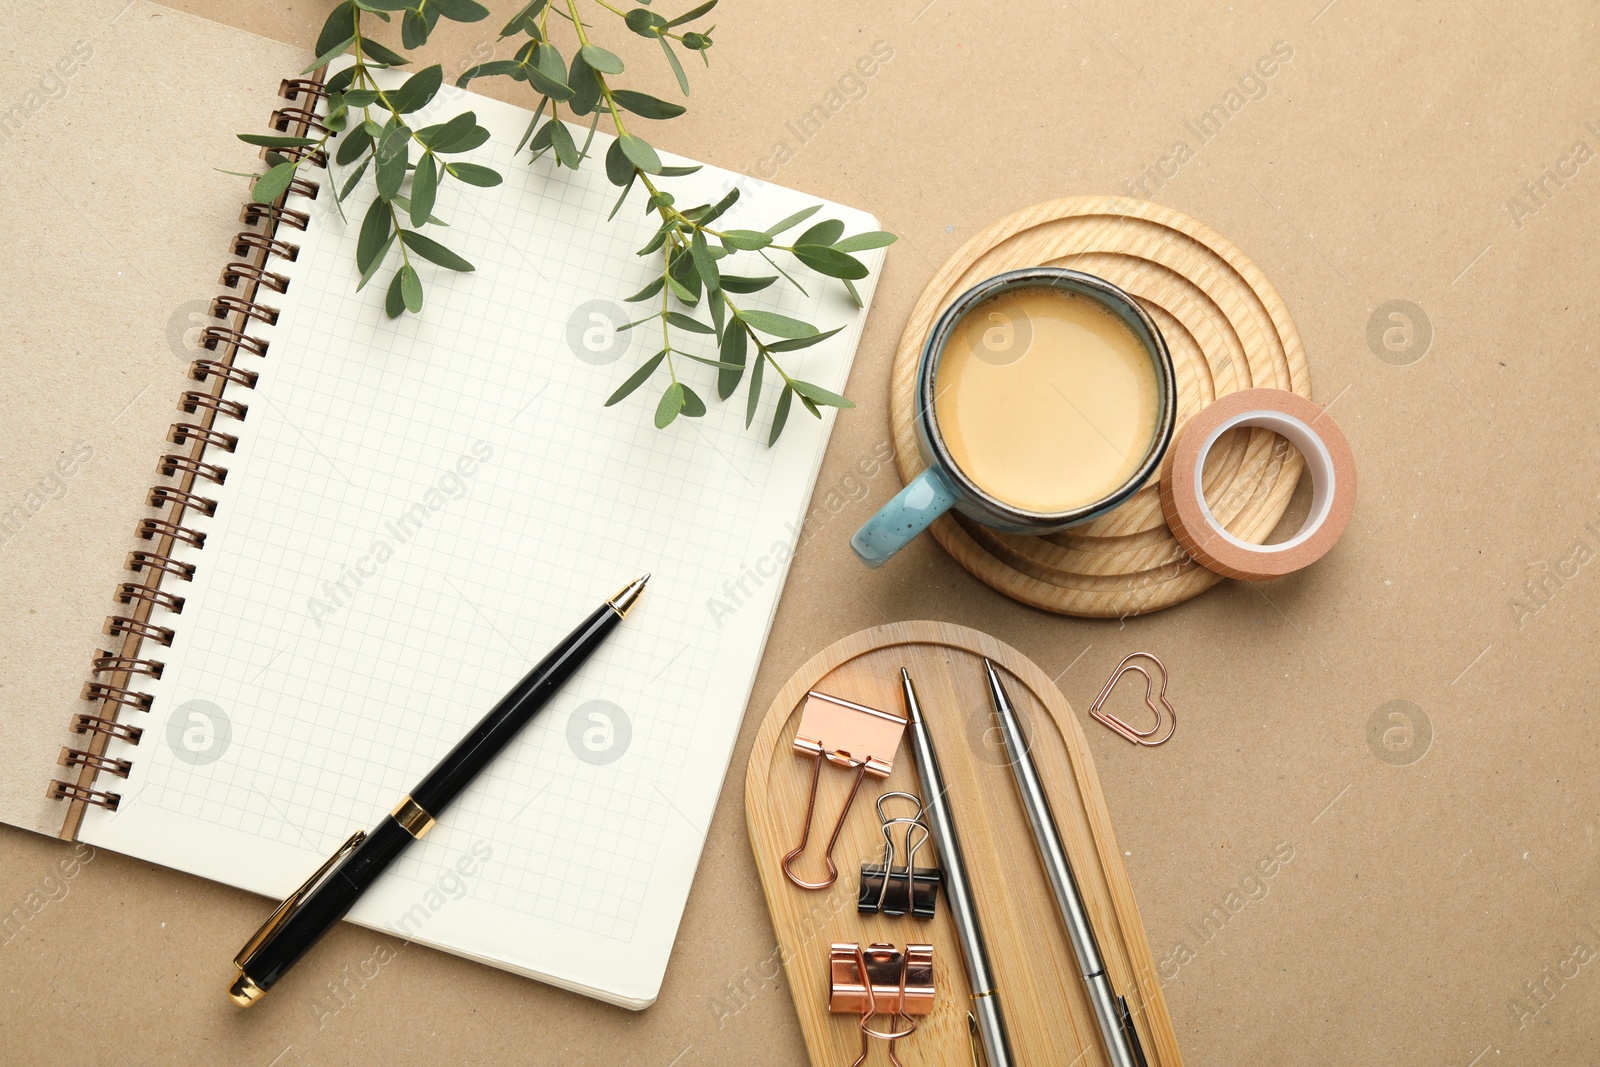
(891, 888)
(1155, 700)
(881, 980)
(846, 735)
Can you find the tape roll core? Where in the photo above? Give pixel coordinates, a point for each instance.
(1328, 459)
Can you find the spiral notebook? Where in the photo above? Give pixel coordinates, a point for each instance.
(364, 530)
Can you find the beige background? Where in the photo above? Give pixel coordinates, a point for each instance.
(1424, 902)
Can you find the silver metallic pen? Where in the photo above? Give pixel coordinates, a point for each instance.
(958, 890)
(1110, 1011)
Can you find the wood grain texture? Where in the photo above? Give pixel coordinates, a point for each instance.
(1048, 1015)
(1228, 330)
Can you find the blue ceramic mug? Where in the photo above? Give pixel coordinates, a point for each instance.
(944, 485)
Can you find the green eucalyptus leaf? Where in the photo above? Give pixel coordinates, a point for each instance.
(377, 53)
(460, 134)
(619, 168)
(339, 80)
(640, 154)
(548, 73)
(414, 29)
(716, 211)
(693, 13)
(424, 190)
(411, 288)
(637, 378)
(671, 403)
(404, 204)
(271, 140)
(354, 177)
(377, 261)
(646, 106)
(679, 290)
(585, 86)
(341, 26)
(647, 292)
(622, 198)
(394, 153)
(678, 172)
(677, 67)
(600, 59)
(540, 143)
(754, 400)
(351, 145)
(418, 89)
(794, 344)
(561, 141)
(684, 322)
(704, 265)
(780, 416)
(693, 406)
(459, 10)
(473, 174)
(681, 266)
(655, 243)
(862, 241)
(735, 346)
(533, 123)
(793, 220)
(375, 227)
(818, 395)
(433, 251)
(491, 69)
(830, 261)
(855, 297)
(745, 240)
(777, 325)
(524, 21)
(394, 301)
(329, 55)
(271, 185)
(698, 42)
(645, 23)
(823, 233)
(732, 283)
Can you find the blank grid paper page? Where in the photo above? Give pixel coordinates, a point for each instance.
(418, 509)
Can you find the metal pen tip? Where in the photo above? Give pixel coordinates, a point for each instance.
(997, 692)
(913, 710)
(626, 597)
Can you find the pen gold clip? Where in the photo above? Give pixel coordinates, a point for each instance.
(244, 991)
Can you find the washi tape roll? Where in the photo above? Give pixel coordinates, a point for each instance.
(1329, 461)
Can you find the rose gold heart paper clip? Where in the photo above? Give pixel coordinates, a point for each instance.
(1157, 705)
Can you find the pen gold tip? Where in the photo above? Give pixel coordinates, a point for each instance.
(244, 991)
(627, 596)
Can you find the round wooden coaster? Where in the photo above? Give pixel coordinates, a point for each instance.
(1228, 330)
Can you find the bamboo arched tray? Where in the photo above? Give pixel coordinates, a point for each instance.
(1047, 1012)
(1228, 330)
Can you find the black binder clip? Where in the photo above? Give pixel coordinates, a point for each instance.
(888, 887)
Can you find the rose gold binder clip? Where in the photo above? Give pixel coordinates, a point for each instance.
(1155, 700)
(846, 735)
(881, 980)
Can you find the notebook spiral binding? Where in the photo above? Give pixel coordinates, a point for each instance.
(248, 280)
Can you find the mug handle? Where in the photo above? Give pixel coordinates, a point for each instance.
(925, 498)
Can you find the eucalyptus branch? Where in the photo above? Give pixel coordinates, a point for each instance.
(384, 145)
(693, 254)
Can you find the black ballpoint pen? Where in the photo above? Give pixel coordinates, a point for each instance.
(313, 909)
